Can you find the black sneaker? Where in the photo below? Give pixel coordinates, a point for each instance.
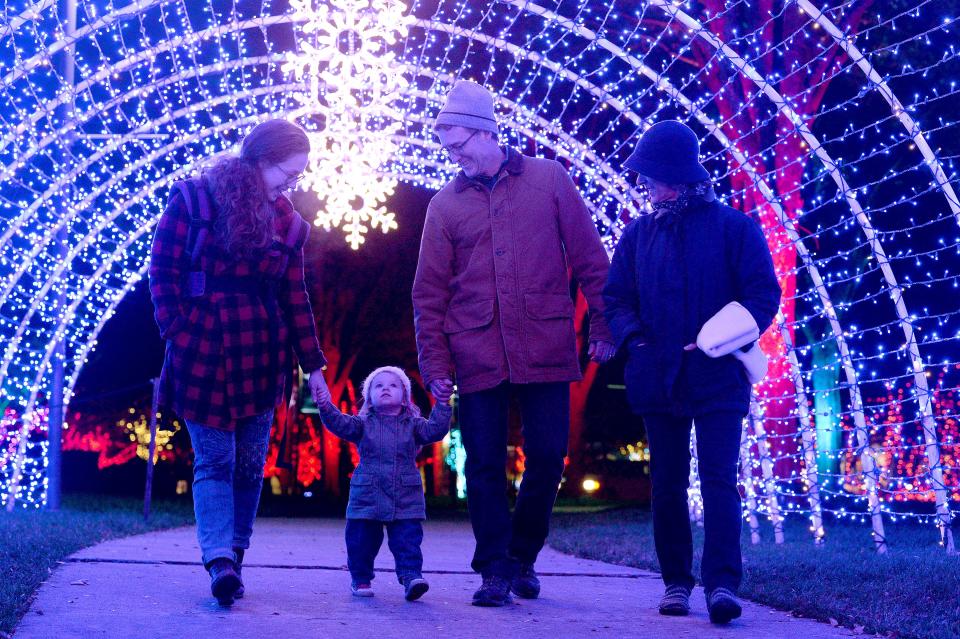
(224, 581)
(525, 584)
(723, 606)
(675, 602)
(493, 593)
(238, 567)
(414, 587)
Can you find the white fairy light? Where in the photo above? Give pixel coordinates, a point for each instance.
(353, 81)
(854, 195)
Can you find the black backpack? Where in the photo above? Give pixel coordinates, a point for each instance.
(199, 209)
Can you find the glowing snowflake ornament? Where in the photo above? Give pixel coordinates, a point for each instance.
(353, 80)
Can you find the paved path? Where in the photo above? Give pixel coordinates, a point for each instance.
(297, 586)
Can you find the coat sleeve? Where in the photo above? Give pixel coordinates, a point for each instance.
(431, 297)
(432, 430)
(585, 252)
(169, 260)
(620, 292)
(348, 427)
(756, 281)
(299, 314)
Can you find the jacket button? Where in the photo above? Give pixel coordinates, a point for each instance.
(498, 252)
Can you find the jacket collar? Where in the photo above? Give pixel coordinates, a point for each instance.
(513, 165)
(401, 416)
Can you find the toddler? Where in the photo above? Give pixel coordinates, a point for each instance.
(386, 490)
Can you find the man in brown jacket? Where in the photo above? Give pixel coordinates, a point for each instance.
(493, 310)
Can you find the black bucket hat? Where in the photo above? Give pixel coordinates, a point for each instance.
(668, 152)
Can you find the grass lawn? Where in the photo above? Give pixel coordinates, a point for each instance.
(33, 541)
(912, 591)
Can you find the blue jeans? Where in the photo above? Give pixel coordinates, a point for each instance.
(227, 481)
(718, 451)
(502, 541)
(364, 538)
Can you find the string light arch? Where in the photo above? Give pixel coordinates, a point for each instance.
(89, 161)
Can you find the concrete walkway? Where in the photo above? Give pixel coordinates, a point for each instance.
(297, 586)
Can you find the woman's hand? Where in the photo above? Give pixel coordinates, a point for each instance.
(318, 388)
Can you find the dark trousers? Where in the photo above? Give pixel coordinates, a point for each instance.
(503, 542)
(364, 538)
(718, 451)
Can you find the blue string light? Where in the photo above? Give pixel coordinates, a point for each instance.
(836, 130)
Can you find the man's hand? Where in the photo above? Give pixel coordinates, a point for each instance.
(442, 389)
(601, 351)
(318, 388)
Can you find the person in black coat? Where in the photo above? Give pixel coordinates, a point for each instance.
(671, 272)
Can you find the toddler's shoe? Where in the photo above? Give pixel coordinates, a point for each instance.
(361, 590)
(414, 587)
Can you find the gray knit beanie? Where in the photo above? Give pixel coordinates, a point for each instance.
(468, 105)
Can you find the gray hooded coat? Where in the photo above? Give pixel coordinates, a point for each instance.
(386, 485)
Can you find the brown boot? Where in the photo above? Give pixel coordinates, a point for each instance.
(238, 567)
(224, 581)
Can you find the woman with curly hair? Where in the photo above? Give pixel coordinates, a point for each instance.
(227, 282)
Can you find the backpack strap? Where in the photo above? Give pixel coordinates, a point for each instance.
(201, 221)
(297, 233)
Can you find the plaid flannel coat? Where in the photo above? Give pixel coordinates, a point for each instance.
(229, 352)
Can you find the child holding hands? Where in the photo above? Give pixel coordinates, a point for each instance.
(386, 490)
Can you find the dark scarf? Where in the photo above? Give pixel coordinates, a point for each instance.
(667, 214)
(688, 195)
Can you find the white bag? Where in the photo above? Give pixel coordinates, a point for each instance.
(732, 328)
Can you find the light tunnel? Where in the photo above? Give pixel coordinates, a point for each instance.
(159, 88)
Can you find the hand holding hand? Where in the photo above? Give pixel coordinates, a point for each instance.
(318, 388)
(442, 389)
(601, 351)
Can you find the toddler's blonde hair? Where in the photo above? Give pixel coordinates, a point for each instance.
(407, 400)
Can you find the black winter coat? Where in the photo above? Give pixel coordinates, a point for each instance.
(668, 277)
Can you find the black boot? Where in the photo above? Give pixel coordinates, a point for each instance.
(723, 606)
(224, 581)
(493, 593)
(525, 584)
(238, 566)
(675, 601)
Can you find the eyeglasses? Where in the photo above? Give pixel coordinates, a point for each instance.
(457, 147)
(293, 179)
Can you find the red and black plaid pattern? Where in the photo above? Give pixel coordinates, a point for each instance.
(228, 352)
